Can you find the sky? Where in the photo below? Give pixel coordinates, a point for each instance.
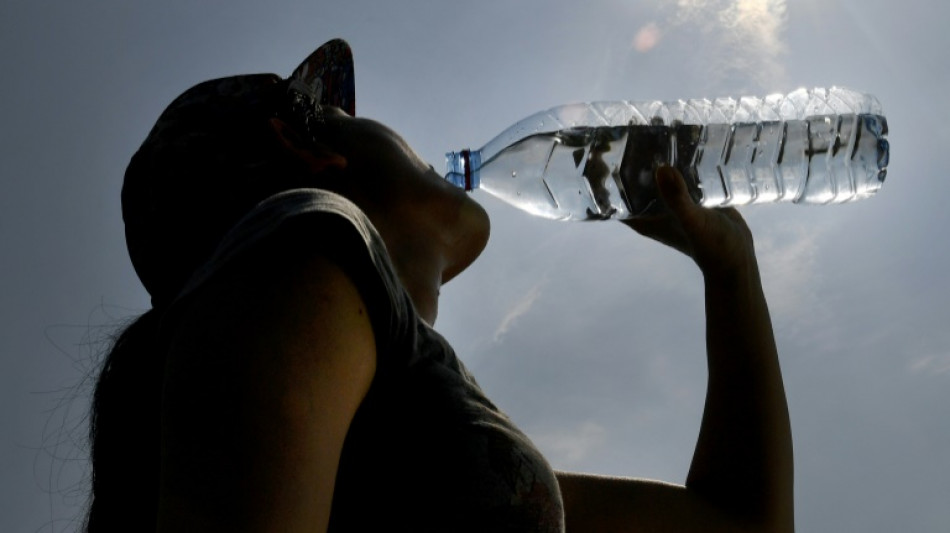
(589, 336)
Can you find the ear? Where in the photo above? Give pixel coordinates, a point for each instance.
(317, 156)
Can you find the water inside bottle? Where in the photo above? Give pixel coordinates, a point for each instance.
(595, 173)
(566, 174)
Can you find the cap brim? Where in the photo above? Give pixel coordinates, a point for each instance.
(328, 73)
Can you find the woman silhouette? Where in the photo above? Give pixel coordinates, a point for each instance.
(288, 378)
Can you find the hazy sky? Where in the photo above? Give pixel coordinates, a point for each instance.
(590, 337)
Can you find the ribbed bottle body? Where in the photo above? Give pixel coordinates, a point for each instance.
(597, 161)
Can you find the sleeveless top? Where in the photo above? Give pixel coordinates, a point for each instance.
(426, 450)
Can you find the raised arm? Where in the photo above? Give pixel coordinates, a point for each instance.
(741, 476)
(267, 370)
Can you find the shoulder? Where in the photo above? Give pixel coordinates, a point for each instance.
(287, 237)
(277, 298)
(265, 372)
(267, 365)
(280, 306)
(274, 315)
(271, 351)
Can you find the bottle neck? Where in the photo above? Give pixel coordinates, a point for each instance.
(462, 169)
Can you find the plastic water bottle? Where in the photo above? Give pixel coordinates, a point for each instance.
(596, 161)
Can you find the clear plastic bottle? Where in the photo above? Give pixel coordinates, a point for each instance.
(596, 161)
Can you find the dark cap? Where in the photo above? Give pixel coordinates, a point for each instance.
(211, 157)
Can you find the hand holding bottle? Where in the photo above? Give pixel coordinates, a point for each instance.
(717, 239)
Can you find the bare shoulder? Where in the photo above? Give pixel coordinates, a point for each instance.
(294, 306)
(268, 366)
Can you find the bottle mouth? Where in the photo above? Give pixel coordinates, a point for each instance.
(462, 169)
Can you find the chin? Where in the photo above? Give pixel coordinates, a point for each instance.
(480, 227)
(474, 228)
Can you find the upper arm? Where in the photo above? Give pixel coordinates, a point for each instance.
(609, 504)
(264, 377)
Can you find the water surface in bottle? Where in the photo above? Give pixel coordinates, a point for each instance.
(594, 173)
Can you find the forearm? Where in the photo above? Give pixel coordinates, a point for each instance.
(743, 458)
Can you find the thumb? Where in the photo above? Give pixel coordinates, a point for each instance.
(673, 189)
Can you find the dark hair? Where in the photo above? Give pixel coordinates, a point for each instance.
(125, 417)
(125, 431)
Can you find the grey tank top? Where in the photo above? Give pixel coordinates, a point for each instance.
(426, 451)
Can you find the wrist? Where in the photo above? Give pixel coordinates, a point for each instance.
(740, 270)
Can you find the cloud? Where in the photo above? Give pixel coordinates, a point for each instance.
(793, 259)
(522, 306)
(741, 39)
(788, 256)
(932, 365)
(569, 446)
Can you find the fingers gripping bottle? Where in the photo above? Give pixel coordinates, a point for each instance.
(596, 161)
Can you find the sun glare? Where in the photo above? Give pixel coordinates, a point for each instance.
(741, 37)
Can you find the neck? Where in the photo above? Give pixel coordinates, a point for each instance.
(431, 244)
(420, 271)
